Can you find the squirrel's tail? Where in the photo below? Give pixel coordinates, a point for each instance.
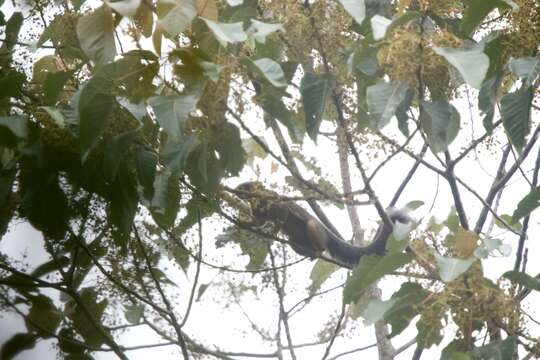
(351, 254)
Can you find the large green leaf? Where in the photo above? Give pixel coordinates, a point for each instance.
(383, 100)
(527, 281)
(399, 310)
(146, 162)
(355, 8)
(17, 344)
(96, 35)
(94, 107)
(529, 203)
(134, 313)
(315, 89)
(44, 203)
(487, 99)
(228, 144)
(496, 350)
(379, 26)
(320, 272)
(476, 11)
(123, 204)
(175, 153)
(527, 68)
(227, 33)
(270, 69)
(516, 115)
(124, 7)
(43, 315)
(175, 15)
(371, 269)
(273, 105)
(115, 152)
(84, 326)
(251, 244)
(440, 121)
(451, 268)
(16, 125)
(472, 63)
(260, 30)
(172, 111)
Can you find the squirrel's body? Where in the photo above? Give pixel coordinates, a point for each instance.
(306, 234)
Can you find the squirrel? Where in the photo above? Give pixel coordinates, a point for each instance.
(306, 234)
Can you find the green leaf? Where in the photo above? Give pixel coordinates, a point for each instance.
(383, 100)
(11, 83)
(529, 203)
(355, 8)
(144, 20)
(496, 350)
(527, 68)
(115, 152)
(17, 344)
(451, 268)
(50, 266)
(271, 71)
(415, 204)
(509, 220)
(146, 162)
(527, 281)
(472, 63)
(124, 7)
(226, 33)
(96, 35)
(253, 150)
(399, 310)
(16, 124)
(490, 245)
(320, 272)
(172, 111)
(54, 85)
(94, 109)
(376, 309)
(67, 346)
(250, 243)
(44, 202)
(315, 89)
(273, 105)
(175, 15)
(430, 332)
(455, 352)
(166, 200)
(82, 324)
(401, 112)
(123, 204)
(440, 121)
(379, 25)
(229, 146)
(260, 30)
(201, 291)
(364, 59)
(516, 116)
(371, 269)
(175, 154)
(43, 315)
(476, 11)
(487, 99)
(134, 313)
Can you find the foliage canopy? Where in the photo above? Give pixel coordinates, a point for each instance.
(124, 125)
